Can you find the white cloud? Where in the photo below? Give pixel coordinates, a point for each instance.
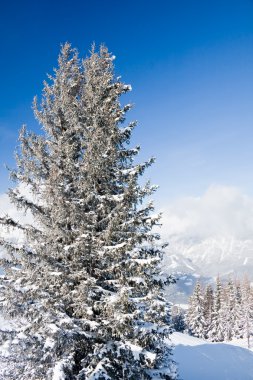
(221, 211)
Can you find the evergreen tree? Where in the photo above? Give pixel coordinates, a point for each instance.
(208, 308)
(178, 318)
(87, 284)
(238, 329)
(195, 316)
(246, 311)
(216, 332)
(229, 310)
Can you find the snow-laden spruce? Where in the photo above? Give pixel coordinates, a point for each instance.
(87, 285)
(223, 314)
(195, 317)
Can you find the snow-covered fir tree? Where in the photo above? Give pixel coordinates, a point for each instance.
(246, 311)
(195, 316)
(216, 331)
(87, 284)
(178, 318)
(231, 311)
(227, 310)
(208, 303)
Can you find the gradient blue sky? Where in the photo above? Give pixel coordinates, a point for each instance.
(190, 64)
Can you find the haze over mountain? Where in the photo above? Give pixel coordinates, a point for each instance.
(211, 234)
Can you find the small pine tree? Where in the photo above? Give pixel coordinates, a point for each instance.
(246, 310)
(229, 310)
(178, 318)
(87, 283)
(195, 317)
(208, 308)
(216, 332)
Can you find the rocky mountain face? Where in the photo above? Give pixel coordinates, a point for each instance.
(193, 259)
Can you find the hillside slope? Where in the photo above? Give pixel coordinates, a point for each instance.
(201, 360)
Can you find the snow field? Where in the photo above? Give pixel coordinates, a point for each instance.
(202, 360)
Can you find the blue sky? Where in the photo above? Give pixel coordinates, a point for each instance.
(190, 64)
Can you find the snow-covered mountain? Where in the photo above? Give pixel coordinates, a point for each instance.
(208, 235)
(210, 257)
(193, 259)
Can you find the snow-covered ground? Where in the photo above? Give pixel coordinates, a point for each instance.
(201, 360)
